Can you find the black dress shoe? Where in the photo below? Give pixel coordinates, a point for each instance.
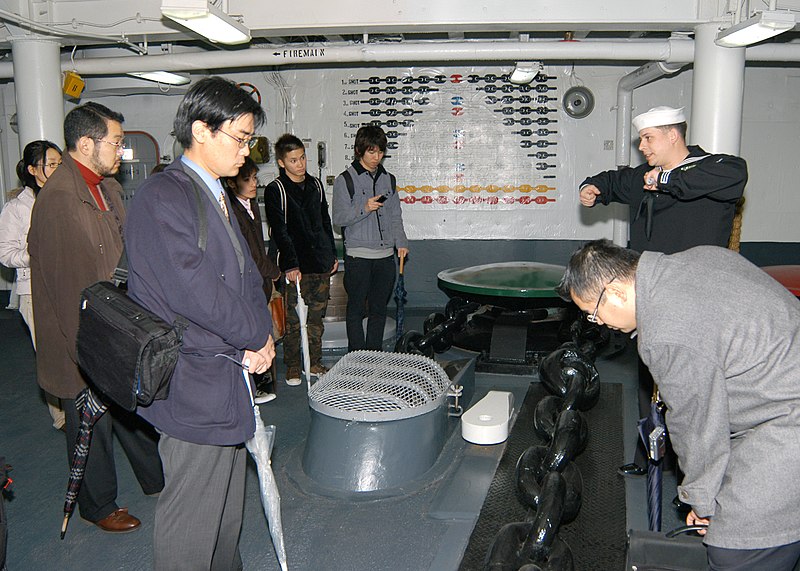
(631, 470)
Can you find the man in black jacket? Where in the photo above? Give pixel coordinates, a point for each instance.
(300, 225)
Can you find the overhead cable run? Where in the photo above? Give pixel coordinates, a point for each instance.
(50, 30)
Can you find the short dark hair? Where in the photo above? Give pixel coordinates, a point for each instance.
(679, 127)
(88, 120)
(369, 137)
(34, 153)
(286, 144)
(593, 266)
(248, 168)
(213, 100)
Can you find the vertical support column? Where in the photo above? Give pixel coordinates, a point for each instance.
(717, 93)
(37, 87)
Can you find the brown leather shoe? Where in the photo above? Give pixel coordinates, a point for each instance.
(119, 521)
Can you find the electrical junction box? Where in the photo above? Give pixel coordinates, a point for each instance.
(73, 84)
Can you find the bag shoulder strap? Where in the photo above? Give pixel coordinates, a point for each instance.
(120, 275)
(319, 187)
(348, 180)
(282, 190)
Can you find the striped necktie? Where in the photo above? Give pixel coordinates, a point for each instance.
(224, 205)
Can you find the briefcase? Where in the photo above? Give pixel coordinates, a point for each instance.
(126, 352)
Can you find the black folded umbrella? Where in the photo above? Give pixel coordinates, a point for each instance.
(652, 430)
(92, 408)
(400, 300)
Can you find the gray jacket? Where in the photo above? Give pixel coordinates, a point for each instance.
(376, 230)
(722, 340)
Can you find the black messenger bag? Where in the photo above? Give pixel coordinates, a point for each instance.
(127, 352)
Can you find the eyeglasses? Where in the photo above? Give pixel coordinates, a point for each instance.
(592, 318)
(51, 166)
(120, 145)
(248, 142)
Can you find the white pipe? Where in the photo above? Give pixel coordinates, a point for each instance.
(717, 93)
(37, 87)
(671, 51)
(640, 76)
(276, 56)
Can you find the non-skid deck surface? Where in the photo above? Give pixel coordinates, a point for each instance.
(597, 536)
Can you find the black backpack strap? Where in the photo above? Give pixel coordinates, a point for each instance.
(393, 180)
(348, 180)
(202, 234)
(120, 275)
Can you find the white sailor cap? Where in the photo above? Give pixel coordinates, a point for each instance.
(658, 117)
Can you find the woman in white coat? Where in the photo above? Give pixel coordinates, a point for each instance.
(39, 160)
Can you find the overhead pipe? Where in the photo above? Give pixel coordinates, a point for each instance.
(641, 76)
(638, 77)
(286, 55)
(672, 50)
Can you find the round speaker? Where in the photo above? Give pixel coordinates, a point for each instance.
(578, 102)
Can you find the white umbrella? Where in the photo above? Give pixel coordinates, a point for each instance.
(260, 448)
(302, 314)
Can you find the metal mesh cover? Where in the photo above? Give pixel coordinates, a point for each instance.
(373, 386)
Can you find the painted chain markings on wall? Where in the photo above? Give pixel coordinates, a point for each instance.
(410, 189)
(466, 140)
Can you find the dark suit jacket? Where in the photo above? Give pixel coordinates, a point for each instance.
(218, 291)
(253, 233)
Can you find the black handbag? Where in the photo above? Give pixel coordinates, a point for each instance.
(127, 352)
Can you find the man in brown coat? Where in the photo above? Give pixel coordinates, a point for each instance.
(75, 240)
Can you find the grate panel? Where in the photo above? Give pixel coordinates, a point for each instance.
(374, 386)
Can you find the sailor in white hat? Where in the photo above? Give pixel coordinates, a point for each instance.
(662, 140)
(680, 198)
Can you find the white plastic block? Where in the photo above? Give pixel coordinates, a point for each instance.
(486, 422)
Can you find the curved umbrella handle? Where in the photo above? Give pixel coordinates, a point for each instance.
(685, 529)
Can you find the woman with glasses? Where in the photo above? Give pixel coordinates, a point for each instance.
(39, 160)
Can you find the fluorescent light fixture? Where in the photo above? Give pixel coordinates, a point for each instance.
(525, 72)
(762, 26)
(207, 20)
(166, 77)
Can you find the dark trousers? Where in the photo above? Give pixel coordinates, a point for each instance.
(782, 558)
(369, 285)
(199, 513)
(98, 494)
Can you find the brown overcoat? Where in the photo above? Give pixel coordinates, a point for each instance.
(72, 244)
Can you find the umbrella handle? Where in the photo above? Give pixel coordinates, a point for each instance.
(64, 526)
(685, 529)
(402, 259)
